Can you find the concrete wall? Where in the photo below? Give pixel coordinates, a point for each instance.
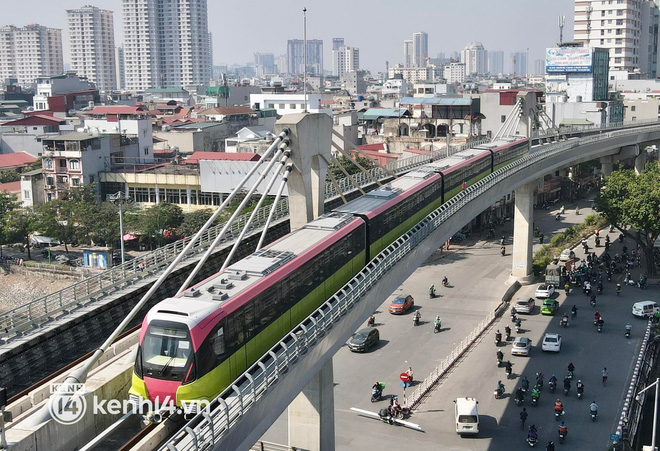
(21, 142)
(641, 110)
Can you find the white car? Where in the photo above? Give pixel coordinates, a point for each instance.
(524, 305)
(551, 342)
(566, 255)
(544, 291)
(521, 346)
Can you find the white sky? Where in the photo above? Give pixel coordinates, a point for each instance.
(241, 28)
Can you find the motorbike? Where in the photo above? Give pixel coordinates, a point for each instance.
(507, 335)
(376, 394)
(580, 392)
(599, 290)
(498, 339)
(564, 321)
(386, 416)
(558, 413)
(500, 357)
(503, 251)
(552, 385)
(535, 400)
(517, 327)
(499, 393)
(445, 282)
(566, 390)
(436, 328)
(371, 322)
(519, 399)
(569, 375)
(508, 369)
(599, 327)
(594, 414)
(592, 302)
(627, 333)
(573, 314)
(432, 293)
(514, 318)
(416, 321)
(531, 440)
(562, 437)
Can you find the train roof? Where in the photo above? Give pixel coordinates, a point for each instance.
(198, 303)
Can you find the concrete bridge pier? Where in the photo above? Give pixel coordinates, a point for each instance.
(523, 233)
(606, 165)
(310, 141)
(311, 414)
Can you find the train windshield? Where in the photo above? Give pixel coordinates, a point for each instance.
(166, 352)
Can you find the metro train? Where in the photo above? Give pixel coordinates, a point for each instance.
(194, 345)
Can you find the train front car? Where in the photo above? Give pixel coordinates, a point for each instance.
(195, 345)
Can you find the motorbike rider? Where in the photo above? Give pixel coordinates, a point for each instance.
(432, 290)
(539, 379)
(417, 317)
(519, 395)
(564, 319)
(500, 356)
(498, 335)
(563, 430)
(377, 387)
(500, 387)
(445, 281)
(600, 322)
(507, 367)
(532, 433)
(438, 322)
(553, 379)
(593, 408)
(567, 383)
(574, 311)
(507, 331)
(593, 298)
(628, 328)
(518, 323)
(571, 367)
(524, 384)
(372, 320)
(618, 289)
(580, 387)
(559, 407)
(503, 250)
(550, 446)
(409, 372)
(536, 393)
(567, 288)
(596, 316)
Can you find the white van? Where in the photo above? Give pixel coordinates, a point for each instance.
(467, 416)
(645, 309)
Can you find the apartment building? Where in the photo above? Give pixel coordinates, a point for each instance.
(29, 52)
(92, 46)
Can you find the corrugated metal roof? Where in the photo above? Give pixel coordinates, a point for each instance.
(375, 113)
(454, 101)
(8, 160)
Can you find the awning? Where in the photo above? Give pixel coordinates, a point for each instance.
(130, 237)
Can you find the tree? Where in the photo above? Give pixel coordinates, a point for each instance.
(194, 221)
(19, 224)
(55, 218)
(11, 175)
(155, 220)
(349, 166)
(631, 200)
(8, 202)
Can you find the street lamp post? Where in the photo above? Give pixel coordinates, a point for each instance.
(655, 409)
(120, 199)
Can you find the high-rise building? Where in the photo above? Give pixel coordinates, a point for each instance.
(345, 59)
(615, 25)
(30, 52)
(264, 64)
(121, 74)
(408, 53)
(519, 63)
(496, 62)
(296, 56)
(92, 45)
(337, 43)
(166, 44)
(420, 48)
(474, 56)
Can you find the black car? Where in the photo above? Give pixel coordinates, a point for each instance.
(363, 339)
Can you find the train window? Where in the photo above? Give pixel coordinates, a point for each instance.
(218, 342)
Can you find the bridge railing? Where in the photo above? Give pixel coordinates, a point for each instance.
(567, 130)
(211, 424)
(34, 313)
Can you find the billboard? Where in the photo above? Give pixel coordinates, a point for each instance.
(567, 60)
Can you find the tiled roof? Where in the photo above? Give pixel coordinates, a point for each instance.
(196, 156)
(117, 110)
(8, 160)
(35, 119)
(11, 187)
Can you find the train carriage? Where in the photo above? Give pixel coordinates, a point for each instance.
(194, 345)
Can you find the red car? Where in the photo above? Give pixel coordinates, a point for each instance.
(401, 305)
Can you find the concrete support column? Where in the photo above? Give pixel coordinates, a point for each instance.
(640, 161)
(310, 138)
(157, 193)
(311, 414)
(606, 166)
(523, 233)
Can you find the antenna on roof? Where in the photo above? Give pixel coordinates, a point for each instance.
(305, 59)
(562, 21)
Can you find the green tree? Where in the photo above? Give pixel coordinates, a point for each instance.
(8, 202)
(631, 200)
(154, 221)
(349, 166)
(10, 175)
(194, 221)
(18, 226)
(55, 218)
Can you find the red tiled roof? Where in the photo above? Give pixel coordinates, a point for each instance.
(376, 146)
(225, 156)
(11, 187)
(163, 151)
(117, 110)
(36, 119)
(228, 111)
(9, 160)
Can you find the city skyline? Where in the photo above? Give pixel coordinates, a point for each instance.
(257, 26)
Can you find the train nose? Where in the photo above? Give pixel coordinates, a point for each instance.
(162, 392)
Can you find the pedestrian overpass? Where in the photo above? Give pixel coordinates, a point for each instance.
(302, 362)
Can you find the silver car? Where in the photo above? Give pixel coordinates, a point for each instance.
(521, 346)
(524, 305)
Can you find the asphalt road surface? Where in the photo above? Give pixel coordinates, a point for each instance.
(477, 274)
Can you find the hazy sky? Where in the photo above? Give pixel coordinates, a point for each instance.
(378, 28)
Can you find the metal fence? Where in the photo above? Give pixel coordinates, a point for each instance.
(214, 421)
(18, 320)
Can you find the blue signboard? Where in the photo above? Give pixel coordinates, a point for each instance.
(565, 60)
